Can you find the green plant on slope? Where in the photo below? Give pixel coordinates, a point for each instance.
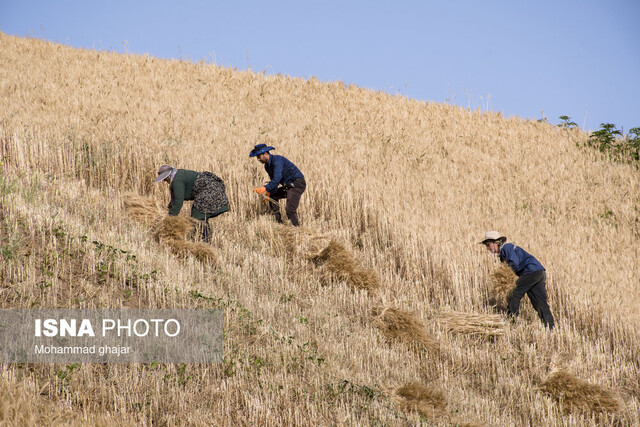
(605, 138)
(567, 123)
(633, 143)
(612, 142)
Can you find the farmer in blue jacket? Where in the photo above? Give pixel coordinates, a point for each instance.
(531, 276)
(286, 182)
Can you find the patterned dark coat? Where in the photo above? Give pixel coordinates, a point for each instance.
(205, 189)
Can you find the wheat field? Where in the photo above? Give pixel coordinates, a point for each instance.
(375, 312)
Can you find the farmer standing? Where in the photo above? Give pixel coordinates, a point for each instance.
(205, 189)
(531, 276)
(284, 173)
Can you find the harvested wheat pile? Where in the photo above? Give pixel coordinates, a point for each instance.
(429, 402)
(174, 228)
(173, 232)
(502, 283)
(143, 209)
(200, 250)
(461, 423)
(301, 242)
(333, 249)
(170, 231)
(340, 261)
(151, 213)
(483, 325)
(364, 278)
(574, 393)
(403, 326)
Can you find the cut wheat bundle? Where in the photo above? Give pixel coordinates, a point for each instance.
(429, 402)
(502, 283)
(143, 209)
(200, 250)
(336, 258)
(574, 393)
(174, 228)
(403, 326)
(170, 231)
(298, 241)
(481, 325)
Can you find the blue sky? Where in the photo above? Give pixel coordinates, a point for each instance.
(523, 58)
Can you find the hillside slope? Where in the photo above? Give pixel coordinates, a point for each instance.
(408, 187)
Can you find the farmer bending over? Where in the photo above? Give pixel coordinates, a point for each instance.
(205, 189)
(282, 172)
(531, 276)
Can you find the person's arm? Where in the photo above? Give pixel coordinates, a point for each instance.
(272, 186)
(509, 255)
(177, 190)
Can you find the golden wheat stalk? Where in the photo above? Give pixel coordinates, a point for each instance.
(19, 407)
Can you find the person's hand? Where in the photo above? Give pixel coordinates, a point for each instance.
(266, 199)
(260, 190)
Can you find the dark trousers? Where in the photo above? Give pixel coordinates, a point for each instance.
(204, 228)
(292, 192)
(532, 284)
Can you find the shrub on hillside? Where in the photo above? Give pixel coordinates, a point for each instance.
(612, 142)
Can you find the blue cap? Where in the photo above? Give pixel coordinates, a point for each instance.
(259, 149)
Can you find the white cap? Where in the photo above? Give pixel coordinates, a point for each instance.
(490, 236)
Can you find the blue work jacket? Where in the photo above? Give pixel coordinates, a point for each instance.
(520, 261)
(281, 171)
